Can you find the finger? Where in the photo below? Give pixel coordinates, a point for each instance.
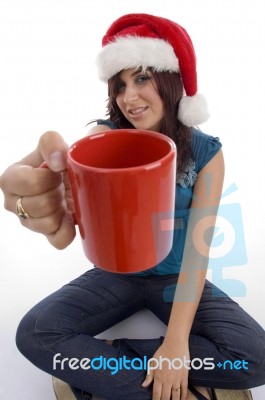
(59, 228)
(45, 204)
(176, 394)
(42, 205)
(184, 392)
(167, 393)
(65, 234)
(157, 390)
(149, 379)
(47, 225)
(184, 389)
(52, 149)
(24, 180)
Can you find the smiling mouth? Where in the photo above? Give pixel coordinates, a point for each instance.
(136, 112)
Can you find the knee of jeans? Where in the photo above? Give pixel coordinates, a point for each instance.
(257, 359)
(38, 330)
(253, 361)
(25, 338)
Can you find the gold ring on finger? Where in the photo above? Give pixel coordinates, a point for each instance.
(20, 209)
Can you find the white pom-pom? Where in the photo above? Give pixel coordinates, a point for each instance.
(193, 110)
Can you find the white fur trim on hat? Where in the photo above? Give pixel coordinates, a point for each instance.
(193, 110)
(135, 52)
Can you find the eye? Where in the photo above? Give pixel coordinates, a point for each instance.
(142, 78)
(120, 86)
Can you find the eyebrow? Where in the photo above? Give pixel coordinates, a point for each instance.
(137, 71)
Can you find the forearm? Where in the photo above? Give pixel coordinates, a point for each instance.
(193, 272)
(186, 300)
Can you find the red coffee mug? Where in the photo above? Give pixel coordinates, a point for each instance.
(122, 182)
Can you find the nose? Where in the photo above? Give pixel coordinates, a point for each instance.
(130, 94)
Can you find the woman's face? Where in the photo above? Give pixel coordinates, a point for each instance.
(139, 100)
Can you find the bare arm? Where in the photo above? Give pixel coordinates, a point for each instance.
(207, 194)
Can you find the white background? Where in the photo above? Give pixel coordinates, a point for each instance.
(48, 81)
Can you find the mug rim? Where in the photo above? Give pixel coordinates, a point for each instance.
(153, 165)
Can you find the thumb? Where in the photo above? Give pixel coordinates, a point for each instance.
(149, 378)
(52, 149)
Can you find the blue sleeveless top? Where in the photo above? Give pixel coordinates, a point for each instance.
(204, 148)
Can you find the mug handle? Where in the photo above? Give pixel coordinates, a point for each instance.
(45, 165)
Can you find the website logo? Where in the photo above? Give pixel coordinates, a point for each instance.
(123, 363)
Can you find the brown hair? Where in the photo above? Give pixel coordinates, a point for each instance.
(170, 89)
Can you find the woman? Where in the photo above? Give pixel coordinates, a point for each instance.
(149, 63)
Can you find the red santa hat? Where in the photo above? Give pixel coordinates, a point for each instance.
(142, 41)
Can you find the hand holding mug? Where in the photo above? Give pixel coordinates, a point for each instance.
(45, 194)
(122, 181)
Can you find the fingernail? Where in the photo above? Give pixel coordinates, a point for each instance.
(56, 161)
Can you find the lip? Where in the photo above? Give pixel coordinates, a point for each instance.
(136, 112)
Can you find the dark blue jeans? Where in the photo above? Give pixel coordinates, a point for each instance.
(64, 325)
